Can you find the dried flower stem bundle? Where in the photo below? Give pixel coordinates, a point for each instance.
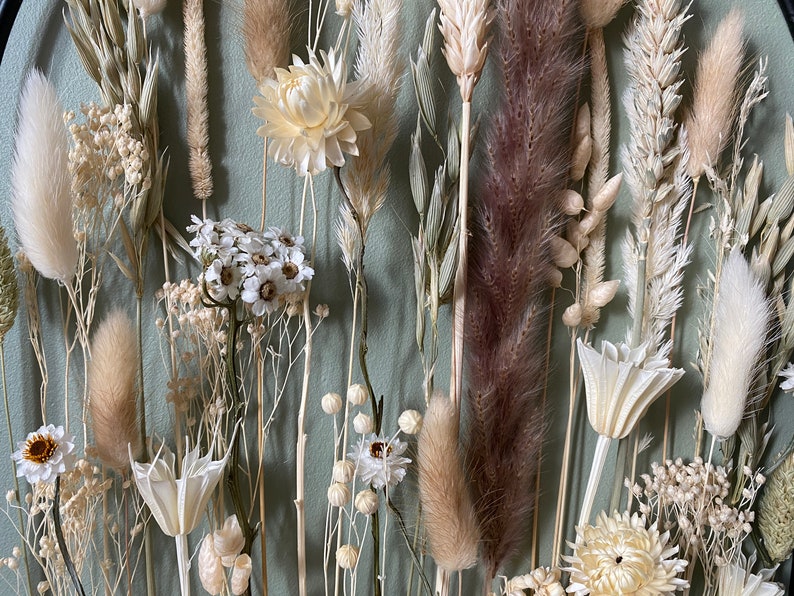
(510, 267)
(111, 377)
(196, 105)
(448, 512)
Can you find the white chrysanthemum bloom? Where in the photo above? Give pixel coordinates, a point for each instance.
(621, 383)
(788, 378)
(736, 579)
(44, 454)
(619, 555)
(311, 114)
(543, 581)
(379, 461)
(178, 504)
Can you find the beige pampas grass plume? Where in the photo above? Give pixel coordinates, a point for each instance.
(196, 92)
(715, 96)
(40, 183)
(741, 317)
(111, 390)
(449, 517)
(266, 32)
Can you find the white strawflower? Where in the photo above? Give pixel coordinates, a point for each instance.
(619, 555)
(379, 461)
(331, 403)
(310, 114)
(367, 502)
(357, 394)
(362, 423)
(410, 422)
(44, 454)
(347, 556)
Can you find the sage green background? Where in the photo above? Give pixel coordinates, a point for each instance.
(39, 39)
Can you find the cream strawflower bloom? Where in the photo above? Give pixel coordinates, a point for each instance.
(621, 383)
(311, 114)
(45, 454)
(543, 581)
(379, 461)
(620, 556)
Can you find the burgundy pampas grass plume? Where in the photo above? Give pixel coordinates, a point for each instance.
(449, 518)
(196, 92)
(715, 99)
(40, 182)
(111, 390)
(510, 268)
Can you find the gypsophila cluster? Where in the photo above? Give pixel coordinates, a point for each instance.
(692, 501)
(263, 269)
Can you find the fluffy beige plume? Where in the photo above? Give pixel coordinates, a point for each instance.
(741, 316)
(40, 182)
(448, 511)
(266, 31)
(111, 390)
(196, 91)
(715, 97)
(464, 25)
(597, 14)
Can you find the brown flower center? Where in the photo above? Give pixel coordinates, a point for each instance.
(376, 449)
(268, 291)
(227, 276)
(259, 259)
(618, 559)
(290, 270)
(286, 240)
(39, 449)
(245, 228)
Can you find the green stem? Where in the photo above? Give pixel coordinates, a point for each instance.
(376, 551)
(56, 519)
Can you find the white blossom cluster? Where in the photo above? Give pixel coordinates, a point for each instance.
(692, 501)
(263, 269)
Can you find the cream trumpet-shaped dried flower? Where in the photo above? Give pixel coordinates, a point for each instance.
(464, 25)
(311, 114)
(740, 320)
(40, 183)
(736, 579)
(621, 383)
(619, 555)
(228, 541)
(241, 573)
(177, 504)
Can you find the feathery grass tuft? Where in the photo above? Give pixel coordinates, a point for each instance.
(40, 181)
(266, 29)
(510, 267)
(9, 288)
(196, 91)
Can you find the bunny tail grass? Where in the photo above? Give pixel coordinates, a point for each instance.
(449, 517)
(266, 31)
(510, 268)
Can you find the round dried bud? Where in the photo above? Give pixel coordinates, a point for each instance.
(42, 587)
(362, 424)
(572, 202)
(410, 422)
(589, 222)
(555, 278)
(332, 403)
(338, 494)
(344, 470)
(572, 315)
(241, 572)
(580, 158)
(605, 197)
(603, 293)
(11, 496)
(563, 253)
(367, 502)
(357, 394)
(347, 556)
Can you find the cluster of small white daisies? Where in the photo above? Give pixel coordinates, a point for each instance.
(263, 269)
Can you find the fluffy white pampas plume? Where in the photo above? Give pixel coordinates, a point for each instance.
(448, 511)
(111, 389)
(40, 198)
(741, 317)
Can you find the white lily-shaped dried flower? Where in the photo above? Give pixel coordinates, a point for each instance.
(621, 383)
(619, 555)
(736, 579)
(310, 113)
(464, 25)
(177, 504)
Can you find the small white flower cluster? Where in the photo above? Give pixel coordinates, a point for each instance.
(263, 269)
(543, 581)
(220, 550)
(693, 499)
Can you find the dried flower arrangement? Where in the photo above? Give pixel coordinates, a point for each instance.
(193, 384)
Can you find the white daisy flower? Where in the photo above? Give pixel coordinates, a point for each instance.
(282, 241)
(45, 454)
(263, 290)
(296, 270)
(788, 376)
(255, 254)
(223, 279)
(379, 461)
